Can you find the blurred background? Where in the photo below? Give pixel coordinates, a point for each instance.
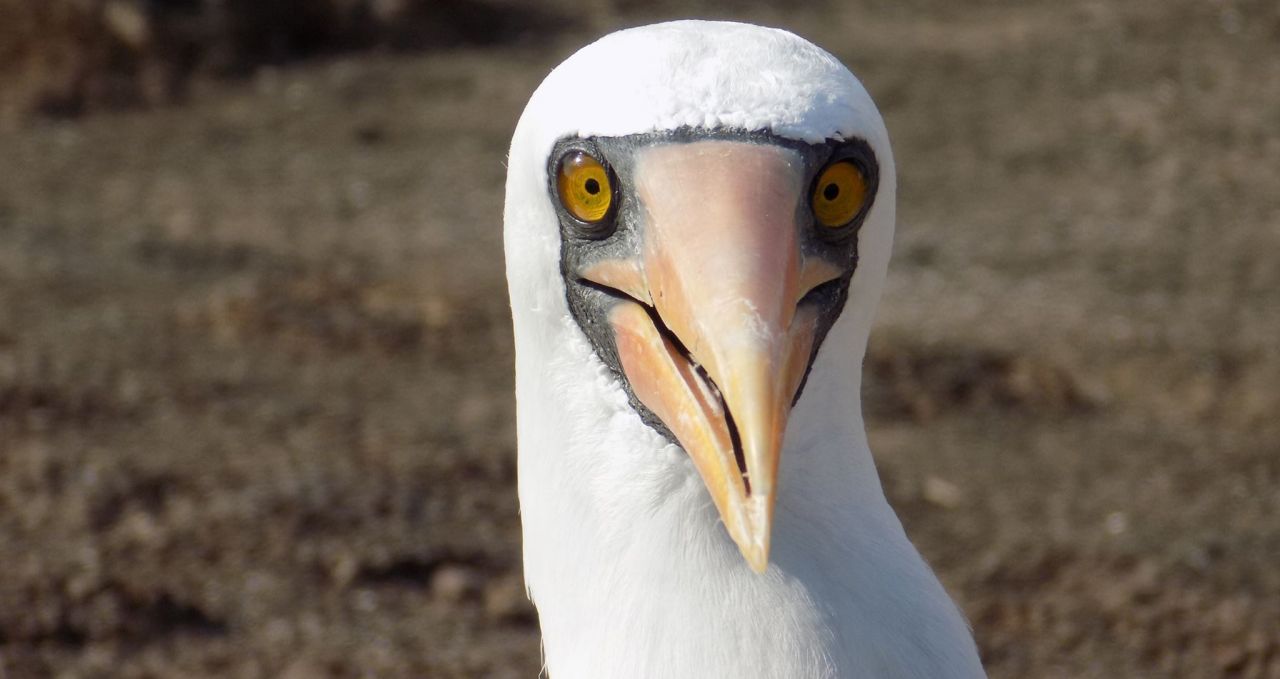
(255, 361)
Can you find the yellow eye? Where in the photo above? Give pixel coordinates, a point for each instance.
(584, 187)
(839, 194)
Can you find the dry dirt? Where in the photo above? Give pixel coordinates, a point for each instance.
(255, 410)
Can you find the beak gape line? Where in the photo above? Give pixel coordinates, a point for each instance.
(708, 287)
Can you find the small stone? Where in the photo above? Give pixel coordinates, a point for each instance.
(128, 22)
(1116, 523)
(453, 583)
(943, 493)
(82, 585)
(437, 313)
(344, 569)
(389, 11)
(140, 528)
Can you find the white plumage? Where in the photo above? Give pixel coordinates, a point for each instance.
(626, 558)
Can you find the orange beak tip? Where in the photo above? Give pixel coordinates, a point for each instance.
(757, 554)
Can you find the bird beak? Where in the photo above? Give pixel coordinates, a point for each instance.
(716, 342)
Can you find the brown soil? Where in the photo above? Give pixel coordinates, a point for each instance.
(255, 410)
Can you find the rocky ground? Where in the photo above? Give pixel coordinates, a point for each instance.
(255, 389)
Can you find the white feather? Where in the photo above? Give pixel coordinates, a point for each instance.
(631, 572)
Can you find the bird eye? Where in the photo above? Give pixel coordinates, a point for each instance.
(585, 188)
(839, 194)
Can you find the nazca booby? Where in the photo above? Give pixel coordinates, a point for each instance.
(697, 226)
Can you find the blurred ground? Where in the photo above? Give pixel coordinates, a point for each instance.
(255, 411)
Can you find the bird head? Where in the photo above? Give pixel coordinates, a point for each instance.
(708, 209)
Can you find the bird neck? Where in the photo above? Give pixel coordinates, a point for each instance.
(634, 576)
(661, 590)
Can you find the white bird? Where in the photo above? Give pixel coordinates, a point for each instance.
(698, 222)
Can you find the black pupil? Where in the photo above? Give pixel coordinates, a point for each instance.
(592, 186)
(831, 191)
